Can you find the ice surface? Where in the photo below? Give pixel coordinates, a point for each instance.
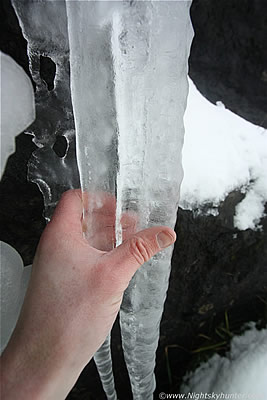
(151, 92)
(92, 88)
(17, 104)
(242, 371)
(14, 282)
(44, 26)
(17, 112)
(129, 86)
(104, 366)
(11, 272)
(128, 68)
(223, 152)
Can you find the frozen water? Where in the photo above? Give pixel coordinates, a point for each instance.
(44, 26)
(92, 89)
(17, 104)
(11, 272)
(17, 112)
(151, 90)
(129, 88)
(104, 366)
(241, 372)
(14, 282)
(128, 68)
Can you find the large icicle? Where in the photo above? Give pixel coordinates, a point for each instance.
(151, 42)
(92, 89)
(44, 25)
(129, 69)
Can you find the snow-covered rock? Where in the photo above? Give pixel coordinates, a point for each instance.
(222, 153)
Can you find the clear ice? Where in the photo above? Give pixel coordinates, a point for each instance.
(127, 62)
(17, 104)
(151, 91)
(17, 112)
(14, 279)
(44, 26)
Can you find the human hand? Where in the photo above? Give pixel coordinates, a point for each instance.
(73, 299)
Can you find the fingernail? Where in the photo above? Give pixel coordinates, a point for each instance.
(164, 239)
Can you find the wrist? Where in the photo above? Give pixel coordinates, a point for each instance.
(31, 374)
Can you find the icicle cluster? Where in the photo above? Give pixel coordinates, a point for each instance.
(128, 80)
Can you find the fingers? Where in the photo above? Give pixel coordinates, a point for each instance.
(123, 261)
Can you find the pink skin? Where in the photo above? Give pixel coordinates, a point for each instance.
(73, 299)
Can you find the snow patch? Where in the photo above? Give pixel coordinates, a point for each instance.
(222, 153)
(243, 371)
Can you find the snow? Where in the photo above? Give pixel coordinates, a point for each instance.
(243, 371)
(222, 153)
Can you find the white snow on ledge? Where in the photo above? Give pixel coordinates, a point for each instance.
(223, 152)
(242, 372)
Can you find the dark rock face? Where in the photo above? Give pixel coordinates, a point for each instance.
(214, 267)
(228, 59)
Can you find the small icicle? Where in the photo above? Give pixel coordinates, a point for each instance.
(103, 362)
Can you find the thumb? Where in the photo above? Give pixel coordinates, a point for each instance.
(135, 251)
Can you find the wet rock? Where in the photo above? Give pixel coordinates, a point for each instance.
(228, 59)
